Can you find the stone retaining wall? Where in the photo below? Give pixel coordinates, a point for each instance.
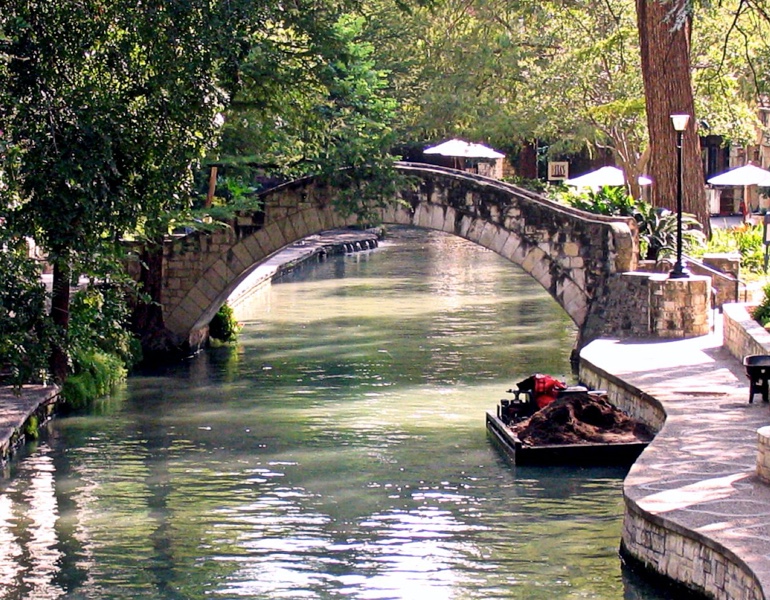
(742, 335)
(686, 557)
(644, 304)
(627, 398)
(27, 409)
(679, 308)
(763, 453)
(658, 545)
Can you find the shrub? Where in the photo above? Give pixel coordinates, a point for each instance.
(657, 227)
(99, 320)
(611, 201)
(658, 232)
(223, 326)
(533, 185)
(25, 332)
(102, 349)
(744, 239)
(32, 428)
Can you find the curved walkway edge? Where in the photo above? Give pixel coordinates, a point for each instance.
(695, 510)
(21, 412)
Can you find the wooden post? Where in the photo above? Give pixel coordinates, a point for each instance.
(212, 186)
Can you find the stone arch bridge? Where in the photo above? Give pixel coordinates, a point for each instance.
(574, 255)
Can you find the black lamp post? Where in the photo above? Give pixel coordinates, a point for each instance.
(680, 124)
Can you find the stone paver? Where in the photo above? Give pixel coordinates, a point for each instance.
(699, 474)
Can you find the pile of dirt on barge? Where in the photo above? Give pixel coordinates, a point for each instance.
(581, 418)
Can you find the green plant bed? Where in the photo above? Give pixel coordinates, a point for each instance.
(96, 373)
(761, 314)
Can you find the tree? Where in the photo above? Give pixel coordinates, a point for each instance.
(664, 39)
(514, 72)
(105, 107)
(729, 52)
(323, 110)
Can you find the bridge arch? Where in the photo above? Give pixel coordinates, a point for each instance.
(572, 254)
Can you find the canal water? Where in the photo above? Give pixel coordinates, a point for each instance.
(338, 451)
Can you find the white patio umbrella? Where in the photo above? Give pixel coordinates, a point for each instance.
(741, 176)
(609, 176)
(462, 149)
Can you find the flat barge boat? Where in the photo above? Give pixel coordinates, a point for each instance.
(549, 423)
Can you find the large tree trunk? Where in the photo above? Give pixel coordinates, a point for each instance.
(665, 53)
(60, 316)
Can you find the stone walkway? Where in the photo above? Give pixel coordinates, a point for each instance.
(16, 407)
(698, 475)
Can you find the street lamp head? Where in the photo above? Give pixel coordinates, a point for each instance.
(680, 121)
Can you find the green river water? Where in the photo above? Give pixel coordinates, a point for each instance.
(337, 451)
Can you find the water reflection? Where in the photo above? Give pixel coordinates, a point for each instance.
(338, 451)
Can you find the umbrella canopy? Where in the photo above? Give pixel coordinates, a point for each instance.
(745, 175)
(463, 149)
(610, 176)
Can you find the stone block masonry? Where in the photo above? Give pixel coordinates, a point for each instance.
(643, 304)
(677, 554)
(742, 334)
(16, 410)
(679, 307)
(763, 453)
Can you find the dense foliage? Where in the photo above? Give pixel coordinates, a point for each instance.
(746, 240)
(107, 109)
(224, 327)
(24, 331)
(761, 313)
(604, 201)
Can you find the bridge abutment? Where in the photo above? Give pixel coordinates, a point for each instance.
(643, 304)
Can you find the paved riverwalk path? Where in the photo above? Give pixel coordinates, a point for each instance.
(698, 477)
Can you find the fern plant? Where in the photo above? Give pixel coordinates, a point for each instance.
(658, 231)
(761, 313)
